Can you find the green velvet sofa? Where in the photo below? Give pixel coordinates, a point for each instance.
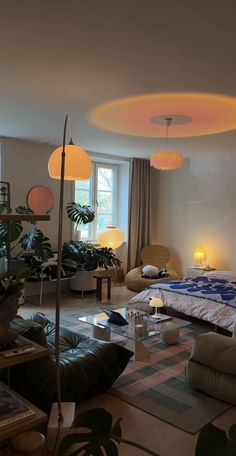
(87, 366)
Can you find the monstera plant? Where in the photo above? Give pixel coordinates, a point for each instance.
(94, 435)
(79, 214)
(34, 241)
(86, 257)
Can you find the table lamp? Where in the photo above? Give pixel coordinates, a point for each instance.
(157, 303)
(200, 255)
(111, 237)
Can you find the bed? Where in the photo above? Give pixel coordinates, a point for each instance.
(210, 297)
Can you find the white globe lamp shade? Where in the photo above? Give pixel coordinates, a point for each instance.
(166, 160)
(111, 237)
(78, 165)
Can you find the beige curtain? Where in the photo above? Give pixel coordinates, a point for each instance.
(139, 210)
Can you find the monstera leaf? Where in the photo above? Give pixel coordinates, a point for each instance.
(79, 214)
(15, 227)
(35, 240)
(15, 231)
(25, 210)
(101, 438)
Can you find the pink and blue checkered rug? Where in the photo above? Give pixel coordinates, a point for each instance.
(157, 385)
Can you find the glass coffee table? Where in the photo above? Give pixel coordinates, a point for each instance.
(140, 327)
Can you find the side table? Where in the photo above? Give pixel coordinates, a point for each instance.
(100, 276)
(197, 271)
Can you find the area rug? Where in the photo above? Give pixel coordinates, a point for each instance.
(157, 385)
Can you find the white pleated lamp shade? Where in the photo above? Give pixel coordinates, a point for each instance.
(166, 160)
(78, 165)
(111, 237)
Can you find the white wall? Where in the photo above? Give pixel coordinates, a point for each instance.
(196, 205)
(25, 164)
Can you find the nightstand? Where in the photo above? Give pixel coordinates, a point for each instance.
(195, 271)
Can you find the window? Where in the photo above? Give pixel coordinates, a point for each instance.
(99, 192)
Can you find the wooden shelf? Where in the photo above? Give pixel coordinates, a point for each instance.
(38, 352)
(23, 217)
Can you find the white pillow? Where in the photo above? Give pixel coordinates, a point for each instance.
(230, 275)
(150, 270)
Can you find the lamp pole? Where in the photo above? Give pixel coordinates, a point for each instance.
(59, 263)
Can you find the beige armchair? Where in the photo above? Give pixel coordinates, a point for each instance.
(212, 367)
(156, 255)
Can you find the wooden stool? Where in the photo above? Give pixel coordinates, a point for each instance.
(99, 278)
(28, 443)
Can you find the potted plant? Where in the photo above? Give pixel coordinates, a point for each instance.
(11, 283)
(34, 241)
(80, 215)
(87, 258)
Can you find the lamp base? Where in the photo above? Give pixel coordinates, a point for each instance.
(156, 315)
(54, 434)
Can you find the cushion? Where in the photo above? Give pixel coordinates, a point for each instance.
(150, 271)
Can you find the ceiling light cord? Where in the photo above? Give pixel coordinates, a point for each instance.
(168, 121)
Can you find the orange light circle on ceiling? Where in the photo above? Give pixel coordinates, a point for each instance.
(40, 200)
(211, 113)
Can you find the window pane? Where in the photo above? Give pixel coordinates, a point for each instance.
(105, 200)
(82, 197)
(105, 179)
(82, 184)
(103, 221)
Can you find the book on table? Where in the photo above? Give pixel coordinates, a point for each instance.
(12, 408)
(18, 345)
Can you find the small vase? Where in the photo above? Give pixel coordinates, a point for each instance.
(77, 235)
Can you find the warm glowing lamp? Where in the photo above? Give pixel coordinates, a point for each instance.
(166, 160)
(157, 303)
(78, 165)
(111, 237)
(68, 162)
(200, 255)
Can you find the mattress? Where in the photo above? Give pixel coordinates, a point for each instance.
(204, 309)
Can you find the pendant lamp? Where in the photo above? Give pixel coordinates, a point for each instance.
(166, 159)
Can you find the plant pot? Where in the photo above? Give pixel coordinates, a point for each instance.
(77, 235)
(14, 265)
(8, 310)
(84, 281)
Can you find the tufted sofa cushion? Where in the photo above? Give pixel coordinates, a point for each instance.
(88, 366)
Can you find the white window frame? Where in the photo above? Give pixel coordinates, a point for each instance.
(92, 227)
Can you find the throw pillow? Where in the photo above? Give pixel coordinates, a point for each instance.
(150, 271)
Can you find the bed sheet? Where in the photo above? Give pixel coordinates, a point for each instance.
(204, 309)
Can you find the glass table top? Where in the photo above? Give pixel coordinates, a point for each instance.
(140, 325)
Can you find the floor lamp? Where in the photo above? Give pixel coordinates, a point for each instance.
(67, 162)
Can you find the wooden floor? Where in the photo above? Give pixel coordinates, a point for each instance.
(164, 439)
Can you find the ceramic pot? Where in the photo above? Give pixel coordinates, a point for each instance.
(8, 310)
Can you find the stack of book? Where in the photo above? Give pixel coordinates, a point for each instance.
(18, 346)
(12, 408)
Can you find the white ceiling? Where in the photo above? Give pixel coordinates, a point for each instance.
(61, 57)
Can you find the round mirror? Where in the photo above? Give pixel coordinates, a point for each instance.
(40, 200)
